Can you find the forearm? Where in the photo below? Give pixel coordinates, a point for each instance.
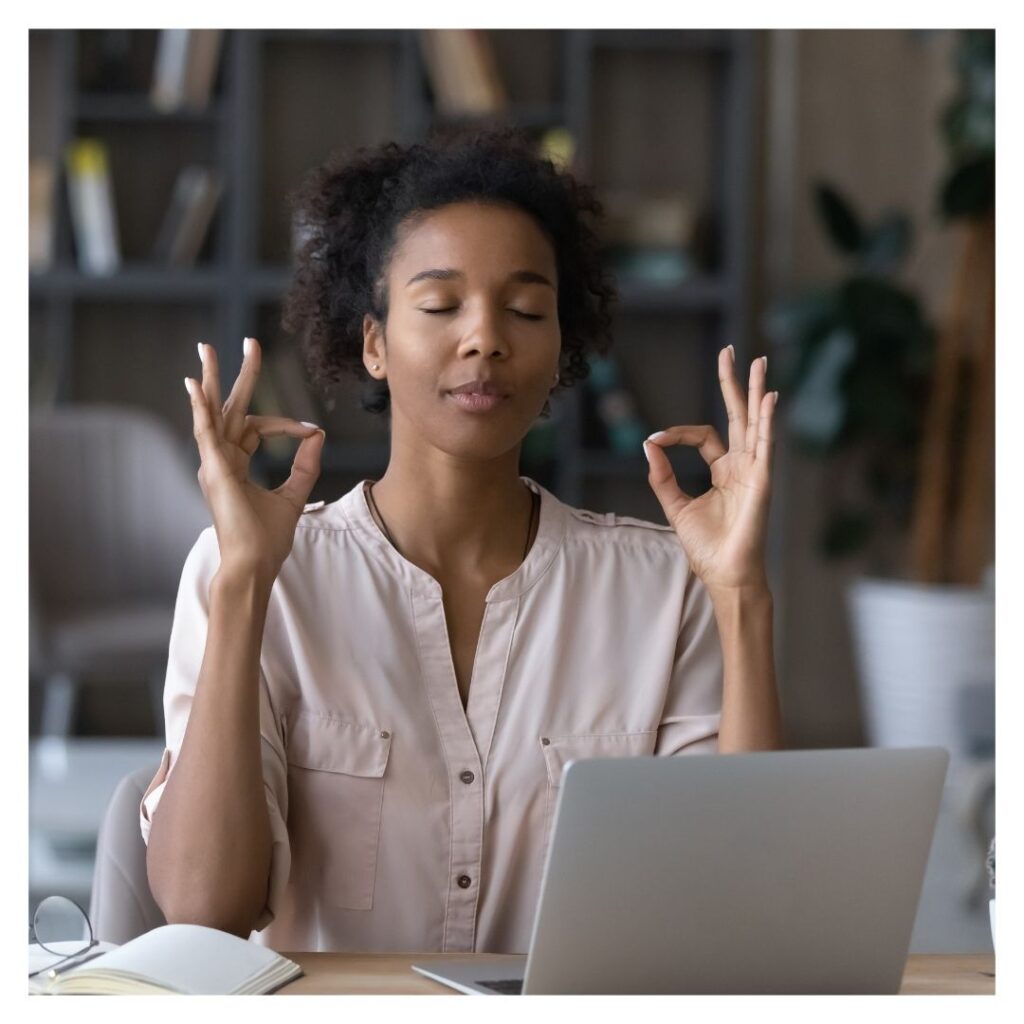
(208, 859)
(751, 718)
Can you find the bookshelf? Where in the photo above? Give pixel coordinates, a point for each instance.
(665, 109)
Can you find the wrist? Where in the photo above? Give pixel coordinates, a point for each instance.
(741, 610)
(753, 593)
(255, 581)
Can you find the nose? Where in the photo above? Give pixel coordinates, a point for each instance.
(485, 336)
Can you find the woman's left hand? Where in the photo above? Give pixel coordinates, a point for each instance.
(723, 530)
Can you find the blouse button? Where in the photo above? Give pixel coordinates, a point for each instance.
(384, 734)
(545, 741)
(467, 777)
(464, 881)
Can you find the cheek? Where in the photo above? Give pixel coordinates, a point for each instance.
(546, 363)
(416, 357)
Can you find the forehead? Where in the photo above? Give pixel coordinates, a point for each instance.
(473, 235)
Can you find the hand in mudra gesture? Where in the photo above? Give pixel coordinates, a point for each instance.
(255, 527)
(723, 530)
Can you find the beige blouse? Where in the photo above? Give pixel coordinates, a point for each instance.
(401, 822)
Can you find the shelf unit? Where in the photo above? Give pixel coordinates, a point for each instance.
(580, 78)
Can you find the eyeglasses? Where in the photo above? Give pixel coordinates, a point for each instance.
(60, 926)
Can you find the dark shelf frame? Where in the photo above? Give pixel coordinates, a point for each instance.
(237, 283)
(133, 108)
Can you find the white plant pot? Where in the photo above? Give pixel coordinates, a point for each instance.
(916, 646)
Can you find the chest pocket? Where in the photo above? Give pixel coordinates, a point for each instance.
(336, 777)
(558, 751)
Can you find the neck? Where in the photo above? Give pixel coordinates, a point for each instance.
(452, 516)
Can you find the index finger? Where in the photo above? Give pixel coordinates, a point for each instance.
(237, 404)
(703, 437)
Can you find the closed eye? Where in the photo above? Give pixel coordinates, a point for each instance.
(525, 316)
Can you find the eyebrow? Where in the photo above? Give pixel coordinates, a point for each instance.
(449, 274)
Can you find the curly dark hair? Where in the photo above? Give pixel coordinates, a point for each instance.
(349, 210)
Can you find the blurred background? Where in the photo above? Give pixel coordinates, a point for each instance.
(823, 197)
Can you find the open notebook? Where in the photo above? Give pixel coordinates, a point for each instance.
(181, 958)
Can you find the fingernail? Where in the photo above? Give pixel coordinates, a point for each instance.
(247, 346)
(313, 425)
(732, 352)
(188, 387)
(764, 359)
(202, 353)
(646, 455)
(656, 435)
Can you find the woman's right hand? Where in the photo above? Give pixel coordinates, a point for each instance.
(255, 527)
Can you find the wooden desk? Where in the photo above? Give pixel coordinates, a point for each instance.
(392, 974)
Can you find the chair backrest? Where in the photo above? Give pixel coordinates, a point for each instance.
(114, 506)
(121, 906)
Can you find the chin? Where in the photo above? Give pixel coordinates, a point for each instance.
(479, 441)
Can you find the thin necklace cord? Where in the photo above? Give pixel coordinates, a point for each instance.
(535, 501)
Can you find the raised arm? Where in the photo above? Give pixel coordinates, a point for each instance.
(210, 841)
(723, 533)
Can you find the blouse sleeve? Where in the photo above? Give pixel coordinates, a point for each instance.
(693, 709)
(184, 659)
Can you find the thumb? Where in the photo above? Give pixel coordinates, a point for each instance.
(305, 469)
(662, 479)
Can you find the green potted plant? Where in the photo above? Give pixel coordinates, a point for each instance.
(901, 413)
(858, 356)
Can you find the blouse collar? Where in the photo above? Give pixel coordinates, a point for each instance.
(550, 533)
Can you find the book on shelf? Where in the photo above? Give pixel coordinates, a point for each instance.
(185, 68)
(482, 60)
(184, 959)
(42, 181)
(463, 71)
(558, 145)
(203, 61)
(649, 237)
(437, 70)
(93, 213)
(197, 191)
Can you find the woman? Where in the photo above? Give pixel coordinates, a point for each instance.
(369, 702)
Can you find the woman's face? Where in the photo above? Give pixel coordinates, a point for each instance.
(472, 296)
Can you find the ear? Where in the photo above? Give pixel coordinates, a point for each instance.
(373, 346)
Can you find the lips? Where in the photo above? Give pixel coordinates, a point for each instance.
(473, 402)
(479, 387)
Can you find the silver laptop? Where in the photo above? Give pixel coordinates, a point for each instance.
(775, 872)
